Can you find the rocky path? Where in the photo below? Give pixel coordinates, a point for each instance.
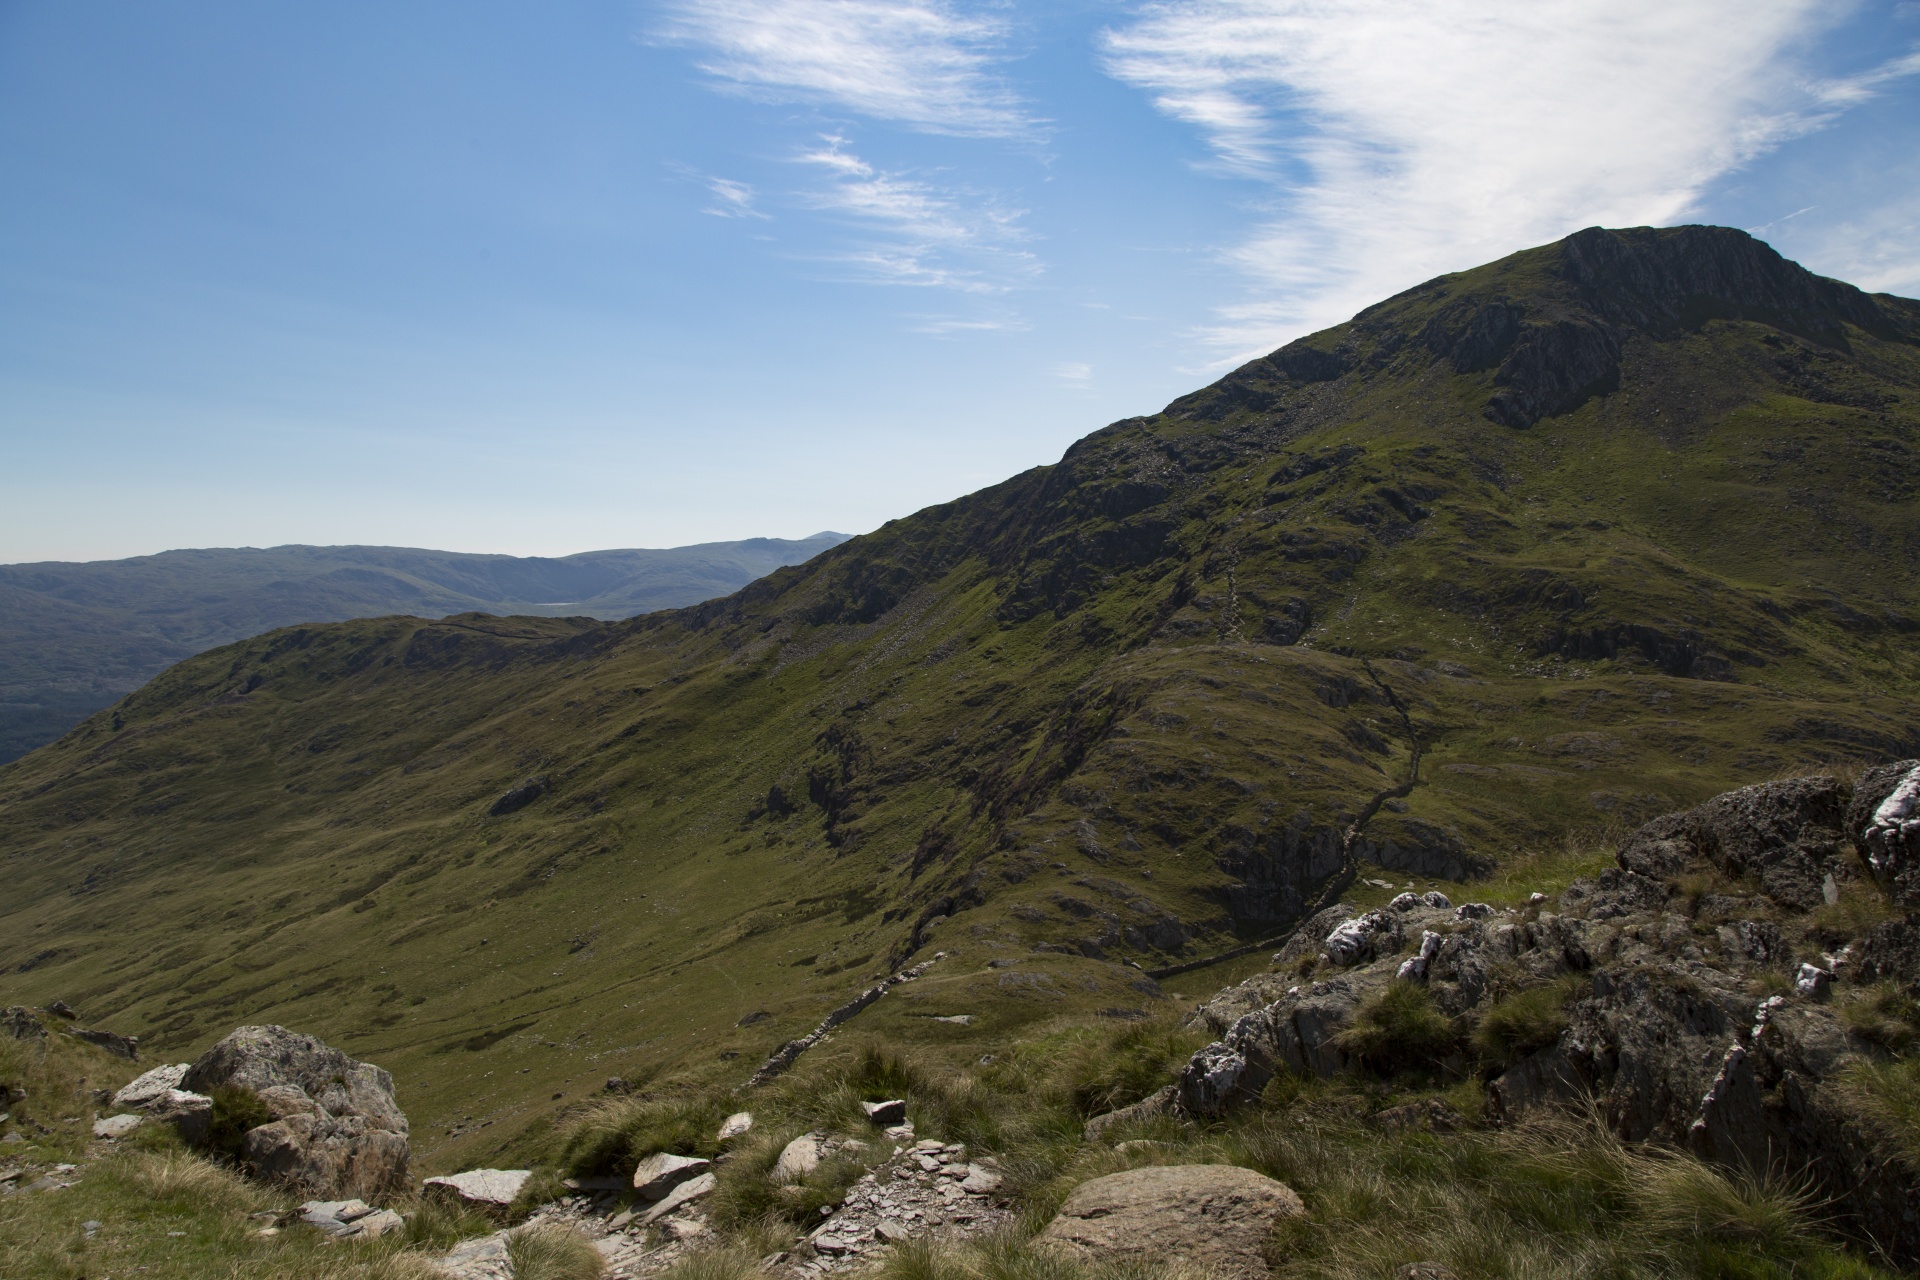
(923, 1188)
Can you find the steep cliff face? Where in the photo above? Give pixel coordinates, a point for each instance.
(1562, 541)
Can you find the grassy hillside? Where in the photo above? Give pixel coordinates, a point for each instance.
(76, 637)
(1593, 531)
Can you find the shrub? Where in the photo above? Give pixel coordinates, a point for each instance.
(1526, 1021)
(1398, 1027)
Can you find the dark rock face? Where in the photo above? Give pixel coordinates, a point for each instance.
(337, 1130)
(1554, 357)
(1787, 835)
(518, 798)
(1665, 278)
(1662, 1028)
(120, 1046)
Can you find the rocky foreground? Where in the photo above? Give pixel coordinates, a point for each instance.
(1740, 988)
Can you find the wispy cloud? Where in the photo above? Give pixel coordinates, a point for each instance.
(1402, 138)
(919, 233)
(921, 63)
(732, 199)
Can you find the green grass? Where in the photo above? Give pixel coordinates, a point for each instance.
(1398, 1028)
(553, 1253)
(1526, 1021)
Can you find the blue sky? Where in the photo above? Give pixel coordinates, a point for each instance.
(541, 278)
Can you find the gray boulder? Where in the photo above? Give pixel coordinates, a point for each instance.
(490, 1189)
(1151, 1107)
(333, 1154)
(19, 1022)
(1884, 821)
(143, 1089)
(662, 1172)
(259, 1058)
(119, 1046)
(191, 1114)
(1215, 1219)
(1787, 835)
(337, 1129)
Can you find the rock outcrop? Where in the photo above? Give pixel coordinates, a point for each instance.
(1213, 1218)
(1660, 965)
(336, 1131)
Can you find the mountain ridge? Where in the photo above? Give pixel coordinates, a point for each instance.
(77, 635)
(1114, 714)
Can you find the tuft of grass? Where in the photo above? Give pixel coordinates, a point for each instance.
(544, 1187)
(1886, 1097)
(1011, 1255)
(614, 1136)
(553, 1253)
(180, 1178)
(236, 1109)
(1526, 1021)
(1398, 1028)
(1883, 1015)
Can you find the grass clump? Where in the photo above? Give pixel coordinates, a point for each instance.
(614, 1136)
(1554, 1199)
(1398, 1028)
(1526, 1021)
(1883, 1015)
(1886, 1098)
(236, 1109)
(553, 1253)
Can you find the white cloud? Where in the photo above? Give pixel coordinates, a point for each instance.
(920, 234)
(1073, 372)
(735, 199)
(1404, 138)
(921, 63)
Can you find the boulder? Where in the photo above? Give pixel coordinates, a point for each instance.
(1151, 1107)
(19, 1022)
(893, 1111)
(376, 1224)
(337, 1130)
(491, 1189)
(117, 1126)
(734, 1126)
(143, 1089)
(191, 1114)
(658, 1174)
(1215, 1219)
(1884, 821)
(337, 1153)
(1892, 951)
(259, 1058)
(1787, 835)
(119, 1046)
(61, 1009)
(798, 1158)
(691, 1189)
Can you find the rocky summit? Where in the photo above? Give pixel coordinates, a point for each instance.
(1587, 574)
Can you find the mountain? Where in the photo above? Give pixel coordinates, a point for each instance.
(1524, 554)
(76, 637)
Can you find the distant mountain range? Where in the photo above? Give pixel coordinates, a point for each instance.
(75, 637)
